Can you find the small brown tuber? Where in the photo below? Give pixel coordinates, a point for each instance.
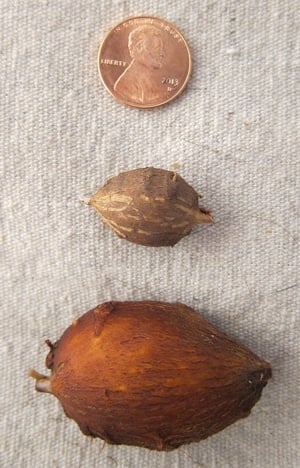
(149, 206)
(151, 374)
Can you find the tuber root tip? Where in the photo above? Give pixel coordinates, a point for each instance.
(85, 200)
(204, 216)
(42, 382)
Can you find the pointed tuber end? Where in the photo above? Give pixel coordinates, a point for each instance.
(85, 200)
(42, 382)
(204, 216)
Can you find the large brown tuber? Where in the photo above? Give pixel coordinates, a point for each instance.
(151, 374)
(149, 206)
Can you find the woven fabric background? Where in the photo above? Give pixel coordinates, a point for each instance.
(233, 132)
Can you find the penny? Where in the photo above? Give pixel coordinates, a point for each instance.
(144, 62)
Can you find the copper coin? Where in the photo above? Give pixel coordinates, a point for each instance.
(144, 62)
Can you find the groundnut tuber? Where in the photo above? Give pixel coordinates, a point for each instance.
(149, 206)
(151, 374)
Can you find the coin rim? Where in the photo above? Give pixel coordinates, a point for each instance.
(147, 106)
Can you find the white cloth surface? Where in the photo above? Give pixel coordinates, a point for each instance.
(234, 133)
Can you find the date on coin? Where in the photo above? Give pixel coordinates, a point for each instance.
(144, 62)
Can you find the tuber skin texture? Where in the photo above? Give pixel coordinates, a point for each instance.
(151, 374)
(149, 206)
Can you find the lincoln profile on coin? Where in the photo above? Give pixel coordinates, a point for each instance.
(140, 81)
